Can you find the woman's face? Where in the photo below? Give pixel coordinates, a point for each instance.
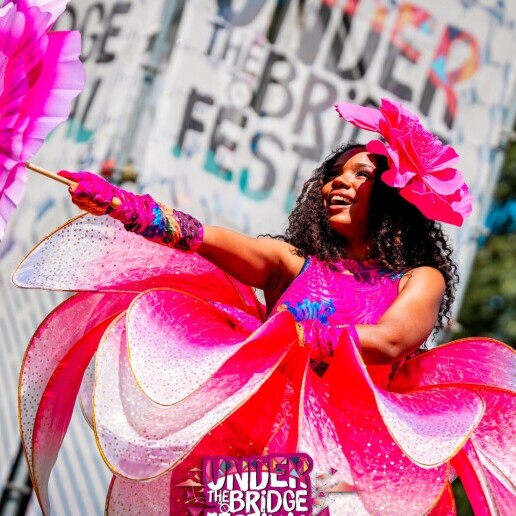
(347, 193)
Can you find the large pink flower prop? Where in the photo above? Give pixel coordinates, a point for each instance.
(40, 75)
(419, 164)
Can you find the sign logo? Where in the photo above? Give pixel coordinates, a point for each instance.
(277, 485)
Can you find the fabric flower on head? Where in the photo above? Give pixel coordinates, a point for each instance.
(419, 164)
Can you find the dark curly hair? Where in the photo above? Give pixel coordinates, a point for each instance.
(401, 237)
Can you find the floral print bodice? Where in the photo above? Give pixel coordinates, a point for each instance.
(348, 292)
(325, 298)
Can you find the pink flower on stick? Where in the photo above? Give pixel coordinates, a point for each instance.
(40, 75)
(419, 164)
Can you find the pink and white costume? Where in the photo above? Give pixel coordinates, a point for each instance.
(180, 362)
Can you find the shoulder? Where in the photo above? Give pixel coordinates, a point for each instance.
(424, 278)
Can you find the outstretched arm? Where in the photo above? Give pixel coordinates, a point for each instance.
(407, 322)
(265, 263)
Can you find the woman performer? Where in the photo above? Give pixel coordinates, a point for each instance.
(330, 368)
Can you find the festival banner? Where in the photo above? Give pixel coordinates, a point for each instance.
(246, 112)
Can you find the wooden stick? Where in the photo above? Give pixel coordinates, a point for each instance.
(51, 175)
(56, 177)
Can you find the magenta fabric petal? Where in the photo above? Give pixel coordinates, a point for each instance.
(97, 254)
(42, 366)
(53, 7)
(41, 75)
(49, 101)
(447, 157)
(121, 409)
(387, 481)
(363, 117)
(169, 330)
(446, 181)
(430, 204)
(475, 481)
(397, 179)
(475, 362)
(377, 147)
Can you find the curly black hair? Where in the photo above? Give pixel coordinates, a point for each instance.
(401, 237)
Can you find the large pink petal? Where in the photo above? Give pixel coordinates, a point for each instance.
(359, 116)
(97, 254)
(42, 367)
(53, 7)
(445, 182)
(169, 330)
(122, 412)
(56, 407)
(476, 484)
(429, 425)
(466, 362)
(321, 441)
(504, 494)
(489, 368)
(493, 440)
(387, 481)
(431, 205)
(265, 424)
(49, 101)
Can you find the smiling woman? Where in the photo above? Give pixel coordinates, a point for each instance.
(347, 194)
(190, 366)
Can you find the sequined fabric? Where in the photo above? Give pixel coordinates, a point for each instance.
(178, 362)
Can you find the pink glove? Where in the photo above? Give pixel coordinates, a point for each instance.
(92, 193)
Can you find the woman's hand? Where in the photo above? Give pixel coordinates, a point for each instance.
(92, 193)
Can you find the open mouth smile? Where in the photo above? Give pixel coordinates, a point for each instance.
(340, 200)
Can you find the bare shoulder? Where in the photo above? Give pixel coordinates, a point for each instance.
(423, 278)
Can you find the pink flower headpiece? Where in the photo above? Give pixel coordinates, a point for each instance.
(419, 164)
